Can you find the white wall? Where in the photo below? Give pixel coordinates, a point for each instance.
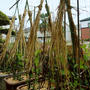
(39, 34)
(12, 39)
(68, 34)
(84, 24)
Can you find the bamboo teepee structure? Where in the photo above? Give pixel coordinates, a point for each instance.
(74, 36)
(58, 43)
(18, 37)
(7, 42)
(58, 52)
(32, 39)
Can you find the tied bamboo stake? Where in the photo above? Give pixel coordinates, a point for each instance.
(77, 54)
(52, 28)
(58, 44)
(32, 39)
(73, 32)
(24, 42)
(31, 33)
(19, 34)
(21, 45)
(7, 41)
(30, 17)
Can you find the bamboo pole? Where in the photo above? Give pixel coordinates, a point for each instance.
(30, 17)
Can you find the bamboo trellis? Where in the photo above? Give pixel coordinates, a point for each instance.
(32, 39)
(74, 36)
(58, 43)
(19, 35)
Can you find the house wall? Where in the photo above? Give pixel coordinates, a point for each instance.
(85, 33)
(85, 30)
(12, 39)
(39, 34)
(84, 24)
(68, 35)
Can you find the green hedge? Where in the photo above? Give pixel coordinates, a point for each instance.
(5, 31)
(4, 20)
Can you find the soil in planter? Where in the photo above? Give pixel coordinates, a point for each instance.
(11, 80)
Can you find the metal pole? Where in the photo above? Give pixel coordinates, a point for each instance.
(34, 12)
(78, 40)
(44, 37)
(65, 23)
(34, 21)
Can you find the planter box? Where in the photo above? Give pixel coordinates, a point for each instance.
(45, 86)
(25, 87)
(22, 87)
(2, 83)
(12, 84)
